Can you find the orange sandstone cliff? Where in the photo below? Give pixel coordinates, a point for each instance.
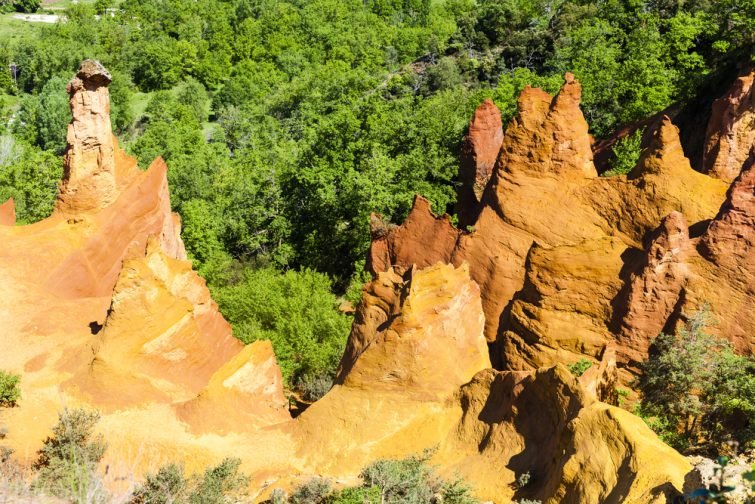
(101, 309)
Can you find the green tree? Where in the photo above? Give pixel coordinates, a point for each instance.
(27, 5)
(43, 119)
(626, 154)
(296, 311)
(697, 384)
(30, 176)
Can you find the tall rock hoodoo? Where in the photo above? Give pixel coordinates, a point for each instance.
(89, 179)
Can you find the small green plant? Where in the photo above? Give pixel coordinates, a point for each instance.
(68, 459)
(10, 390)
(578, 368)
(278, 496)
(622, 393)
(166, 486)
(626, 154)
(313, 387)
(217, 485)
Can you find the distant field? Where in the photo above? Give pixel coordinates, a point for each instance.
(16, 29)
(61, 4)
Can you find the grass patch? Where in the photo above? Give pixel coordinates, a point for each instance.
(14, 29)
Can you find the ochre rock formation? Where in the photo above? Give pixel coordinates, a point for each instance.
(422, 240)
(398, 392)
(8, 213)
(560, 255)
(102, 310)
(730, 239)
(389, 347)
(479, 153)
(544, 424)
(730, 134)
(90, 182)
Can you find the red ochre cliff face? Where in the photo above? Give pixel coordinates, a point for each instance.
(102, 310)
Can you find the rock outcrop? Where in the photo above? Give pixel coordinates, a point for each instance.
(401, 321)
(654, 291)
(422, 240)
(730, 134)
(104, 198)
(479, 153)
(730, 239)
(559, 253)
(103, 309)
(543, 424)
(8, 213)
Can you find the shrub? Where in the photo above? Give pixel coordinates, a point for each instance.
(356, 495)
(406, 481)
(219, 483)
(314, 491)
(729, 398)
(216, 485)
(626, 154)
(694, 384)
(314, 387)
(166, 486)
(523, 480)
(578, 368)
(10, 391)
(30, 176)
(68, 459)
(27, 5)
(410, 480)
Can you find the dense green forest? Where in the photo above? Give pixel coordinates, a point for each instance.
(286, 122)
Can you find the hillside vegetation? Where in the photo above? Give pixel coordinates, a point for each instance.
(285, 123)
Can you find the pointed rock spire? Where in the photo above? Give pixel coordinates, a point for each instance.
(89, 181)
(478, 158)
(423, 239)
(664, 153)
(730, 133)
(550, 135)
